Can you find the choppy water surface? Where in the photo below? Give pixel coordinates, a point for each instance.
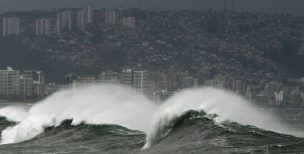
(116, 119)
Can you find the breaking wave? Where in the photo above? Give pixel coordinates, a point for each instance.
(122, 106)
(199, 132)
(108, 104)
(226, 105)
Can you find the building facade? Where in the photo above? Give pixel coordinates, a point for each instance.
(64, 21)
(9, 82)
(128, 22)
(110, 17)
(135, 78)
(15, 83)
(11, 26)
(84, 17)
(80, 20)
(42, 27)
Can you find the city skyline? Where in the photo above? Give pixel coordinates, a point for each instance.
(270, 6)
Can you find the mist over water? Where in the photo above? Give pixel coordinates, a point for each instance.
(120, 105)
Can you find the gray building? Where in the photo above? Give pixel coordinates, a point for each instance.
(11, 26)
(135, 78)
(126, 77)
(21, 83)
(109, 77)
(42, 26)
(110, 17)
(84, 17)
(140, 79)
(9, 82)
(26, 81)
(64, 21)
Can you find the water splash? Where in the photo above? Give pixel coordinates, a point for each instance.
(227, 105)
(107, 104)
(14, 113)
(119, 105)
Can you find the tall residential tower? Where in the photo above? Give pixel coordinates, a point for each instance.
(11, 26)
(42, 26)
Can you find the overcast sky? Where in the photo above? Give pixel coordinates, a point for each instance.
(273, 6)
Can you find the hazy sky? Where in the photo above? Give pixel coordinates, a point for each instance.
(274, 6)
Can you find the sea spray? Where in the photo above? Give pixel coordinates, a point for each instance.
(227, 105)
(120, 105)
(106, 104)
(14, 113)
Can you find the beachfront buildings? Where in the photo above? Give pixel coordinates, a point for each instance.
(16, 83)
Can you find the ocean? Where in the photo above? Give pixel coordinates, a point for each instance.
(116, 119)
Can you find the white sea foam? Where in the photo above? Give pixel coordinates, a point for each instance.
(107, 104)
(14, 113)
(227, 105)
(119, 105)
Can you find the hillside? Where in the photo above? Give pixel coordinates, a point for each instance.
(204, 43)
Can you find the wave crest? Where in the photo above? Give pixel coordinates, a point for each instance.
(107, 104)
(119, 105)
(227, 105)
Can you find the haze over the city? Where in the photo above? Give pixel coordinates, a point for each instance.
(271, 6)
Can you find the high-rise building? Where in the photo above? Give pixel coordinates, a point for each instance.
(39, 83)
(31, 83)
(86, 81)
(109, 77)
(279, 97)
(50, 89)
(26, 84)
(84, 17)
(140, 79)
(11, 26)
(80, 20)
(295, 98)
(64, 21)
(135, 78)
(5, 27)
(161, 96)
(219, 81)
(239, 86)
(187, 81)
(58, 29)
(271, 88)
(126, 77)
(9, 82)
(110, 17)
(88, 14)
(128, 22)
(21, 83)
(249, 93)
(42, 26)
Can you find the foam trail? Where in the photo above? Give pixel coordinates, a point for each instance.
(107, 104)
(226, 105)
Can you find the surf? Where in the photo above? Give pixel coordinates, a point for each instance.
(123, 106)
(103, 104)
(226, 105)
